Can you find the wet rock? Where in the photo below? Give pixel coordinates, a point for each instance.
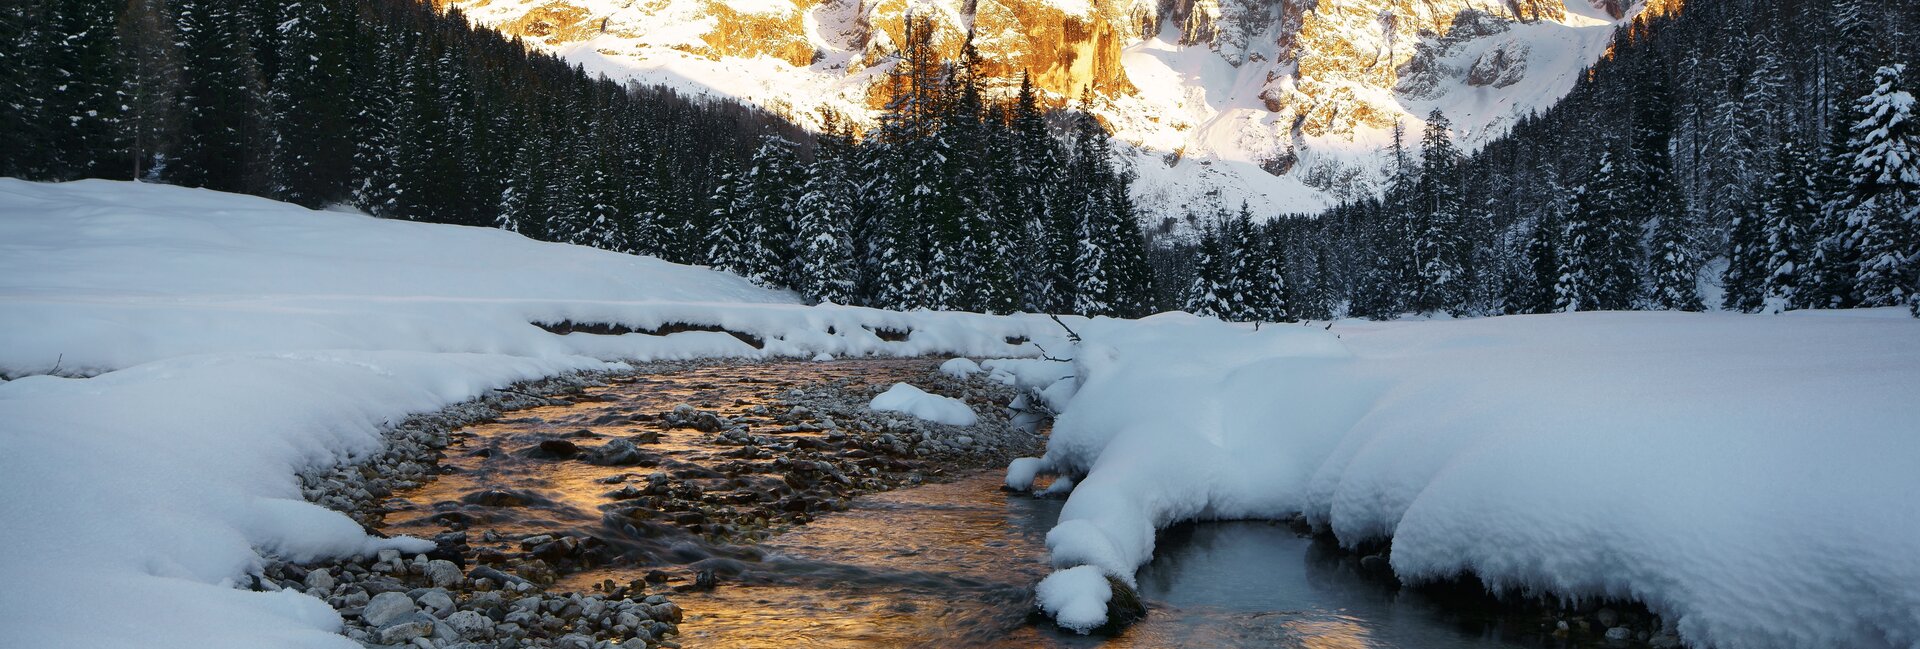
(619, 452)
(1375, 563)
(386, 608)
(1607, 617)
(496, 576)
(497, 498)
(554, 449)
(1123, 609)
(1619, 633)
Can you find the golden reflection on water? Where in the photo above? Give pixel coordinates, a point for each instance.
(1331, 633)
(570, 494)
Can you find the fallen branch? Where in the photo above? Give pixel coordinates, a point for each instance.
(1045, 357)
(1063, 325)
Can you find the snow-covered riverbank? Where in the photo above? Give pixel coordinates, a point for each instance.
(1750, 478)
(234, 342)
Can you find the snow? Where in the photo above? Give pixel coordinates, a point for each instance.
(1075, 597)
(234, 341)
(912, 401)
(1747, 477)
(960, 368)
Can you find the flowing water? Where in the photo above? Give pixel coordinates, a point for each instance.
(939, 565)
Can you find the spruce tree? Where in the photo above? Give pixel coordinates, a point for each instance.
(1207, 295)
(1790, 205)
(1884, 191)
(311, 103)
(1598, 264)
(225, 134)
(1436, 219)
(825, 249)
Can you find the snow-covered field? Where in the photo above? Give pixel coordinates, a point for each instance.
(1751, 478)
(174, 357)
(232, 341)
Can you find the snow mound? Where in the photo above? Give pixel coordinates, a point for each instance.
(1744, 476)
(960, 368)
(1075, 597)
(914, 402)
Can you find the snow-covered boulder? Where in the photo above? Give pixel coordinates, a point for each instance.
(914, 402)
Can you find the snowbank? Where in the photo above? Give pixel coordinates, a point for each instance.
(914, 402)
(234, 341)
(1750, 478)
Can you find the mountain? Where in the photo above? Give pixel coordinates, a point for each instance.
(1286, 103)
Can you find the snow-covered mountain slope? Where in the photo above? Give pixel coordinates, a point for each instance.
(233, 341)
(1287, 103)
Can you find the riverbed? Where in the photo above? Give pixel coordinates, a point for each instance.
(777, 514)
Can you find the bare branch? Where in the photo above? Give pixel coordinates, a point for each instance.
(1063, 325)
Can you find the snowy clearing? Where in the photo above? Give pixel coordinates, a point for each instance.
(234, 341)
(1750, 478)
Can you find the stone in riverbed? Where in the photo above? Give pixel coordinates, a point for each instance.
(444, 573)
(418, 625)
(388, 607)
(1607, 618)
(436, 601)
(469, 625)
(319, 582)
(1619, 633)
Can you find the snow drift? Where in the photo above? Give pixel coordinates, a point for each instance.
(234, 341)
(1750, 478)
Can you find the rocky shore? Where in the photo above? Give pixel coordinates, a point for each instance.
(687, 489)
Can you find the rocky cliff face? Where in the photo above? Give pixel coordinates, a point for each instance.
(1228, 84)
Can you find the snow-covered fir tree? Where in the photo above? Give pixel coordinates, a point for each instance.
(1883, 199)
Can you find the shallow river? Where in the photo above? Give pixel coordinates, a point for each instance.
(941, 565)
(953, 565)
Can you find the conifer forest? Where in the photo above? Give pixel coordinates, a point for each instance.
(1743, 154)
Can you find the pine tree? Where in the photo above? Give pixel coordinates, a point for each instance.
(825, 249)
(1537, 293)
(1598, 264)
(224, 143)
(768, 190)
(1884, 192)
(79, 107)
(1790, 205)
(1207, 296)
(152, 85)
(733, 237)
(1438, 249)
(311, 103)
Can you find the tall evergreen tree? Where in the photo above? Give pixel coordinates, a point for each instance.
(311, 103)
(1598, 269)
(1436, 219)
(1883, 198)
(225, 135)
(1791, 203)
